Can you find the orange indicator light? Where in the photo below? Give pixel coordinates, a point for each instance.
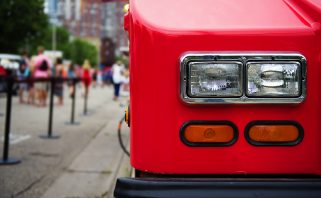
(209, 133)
(274, 133)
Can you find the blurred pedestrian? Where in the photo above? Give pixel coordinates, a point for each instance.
(117, 70)
(26, 58)
(107, 75)
(29, 76)
(100, 78)
(42, 70)
(22, 75)
(58, 72)
(125, 81)
(94, 77)
(86, 77)
(71, 75)
(31, 89)
(3, 74)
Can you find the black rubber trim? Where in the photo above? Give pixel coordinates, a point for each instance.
(274, 122)
(197, 188)
(203, 122)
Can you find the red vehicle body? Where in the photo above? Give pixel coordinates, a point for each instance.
(162, 33)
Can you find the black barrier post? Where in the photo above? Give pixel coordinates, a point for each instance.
(2, 86)
(72, 119)
(85, 103)
(5, 159)
(73, 104)
(51, 104)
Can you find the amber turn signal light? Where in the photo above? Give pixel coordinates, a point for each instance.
(274, 133)
(198, 133)
(127, 116)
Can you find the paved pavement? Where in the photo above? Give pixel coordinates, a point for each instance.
(84, 162)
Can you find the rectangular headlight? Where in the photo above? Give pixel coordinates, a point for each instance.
(249, 78)
(279, 79)
(216, 79)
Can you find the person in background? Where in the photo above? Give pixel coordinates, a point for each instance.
(100, 78)
(78, 71)
(22, 75)
(107, 75)
(29, 75)
(86, 77)
(26, 58)
(117, 70)
(71, 74)
(3, 74)
(58, 72)
(94, 77)
(125, 85)
(42, 68)
(31, 89)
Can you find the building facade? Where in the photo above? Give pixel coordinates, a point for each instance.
(92, 20)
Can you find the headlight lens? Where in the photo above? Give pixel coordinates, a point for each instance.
(215, 79)
(273, 79)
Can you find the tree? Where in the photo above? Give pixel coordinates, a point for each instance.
(77, 50)
(81, 50)
(22, 22)
(62, 41)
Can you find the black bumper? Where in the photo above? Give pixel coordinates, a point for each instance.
(188, 188)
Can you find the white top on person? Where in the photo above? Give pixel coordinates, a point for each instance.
(118, 69)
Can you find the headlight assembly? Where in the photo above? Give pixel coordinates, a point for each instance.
(242, 78)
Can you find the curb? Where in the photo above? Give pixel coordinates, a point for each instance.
(124, 170)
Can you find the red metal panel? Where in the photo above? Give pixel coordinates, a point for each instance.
(157, 113)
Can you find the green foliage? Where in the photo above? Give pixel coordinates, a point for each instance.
(62, 41)
(25, 26)
(81, 50)
(77, 50)
(22, 22)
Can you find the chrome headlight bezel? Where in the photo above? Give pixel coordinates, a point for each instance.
(244, 59)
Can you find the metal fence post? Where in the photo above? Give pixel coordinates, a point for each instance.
(51, 104)
(73, 104)
(85, 104)
(5, 159)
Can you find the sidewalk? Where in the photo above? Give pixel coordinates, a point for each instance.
(93, 172)
(82, 163)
